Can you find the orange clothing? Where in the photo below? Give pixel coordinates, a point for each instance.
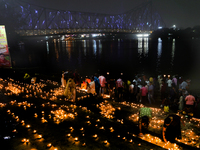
(84, 85)
(88, 80)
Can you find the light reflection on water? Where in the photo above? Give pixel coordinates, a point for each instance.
(94, 48)
(140, 45)
(140, 55)
(159, 47)
(47, 44)
(146, 48)
(159, 52)
(100, 47)
(68, 49)
(173, 51)
(56, 50)
(84, 46)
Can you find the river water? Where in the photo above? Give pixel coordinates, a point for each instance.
(130, 56)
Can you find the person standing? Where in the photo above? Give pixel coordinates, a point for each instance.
(143, 92)
(151, 79)
(111, 87)
(63, 81)
(189, 101)
(91, 86)
(102, 81)
(70, 89)
(169, 84)
(181, 102)
(139, 80)
(160, 81)
(119, 87)
(150, 93)
(97, 83)
(172, 95)
(183, 86)
(174, 80)
(163, 92)
(172, 128)
(136, 90)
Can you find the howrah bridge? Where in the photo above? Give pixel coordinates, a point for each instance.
(37, 20)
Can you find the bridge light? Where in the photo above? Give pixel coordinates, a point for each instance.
(94, 35)
(142, 35)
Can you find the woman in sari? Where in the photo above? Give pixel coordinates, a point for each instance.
(70, 89)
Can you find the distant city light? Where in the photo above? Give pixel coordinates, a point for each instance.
(142, 35)
(95, 35)
(159, 27)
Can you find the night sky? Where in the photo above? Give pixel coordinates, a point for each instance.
(182, 13)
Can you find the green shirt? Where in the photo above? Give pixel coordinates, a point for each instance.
(145, 111)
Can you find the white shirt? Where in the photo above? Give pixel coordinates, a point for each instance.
(131, 87)
(102, 81)
(169, 82)
(119, 83)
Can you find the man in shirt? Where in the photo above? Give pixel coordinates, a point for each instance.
(163, 93)
(102, 81)
(189, 101)
(174, 80)
(169, 84)
(183, 86)
(97, 83)
(145, 115)
(119, 87)
(150, 92)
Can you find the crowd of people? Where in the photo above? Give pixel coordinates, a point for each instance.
(171, 93)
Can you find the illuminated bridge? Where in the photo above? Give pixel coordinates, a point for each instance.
(36, 20)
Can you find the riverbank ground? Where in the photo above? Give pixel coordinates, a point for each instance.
(37, 116)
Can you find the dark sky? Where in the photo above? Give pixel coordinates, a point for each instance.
(182, 13)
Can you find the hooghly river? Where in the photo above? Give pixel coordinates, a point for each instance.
(130, 56)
